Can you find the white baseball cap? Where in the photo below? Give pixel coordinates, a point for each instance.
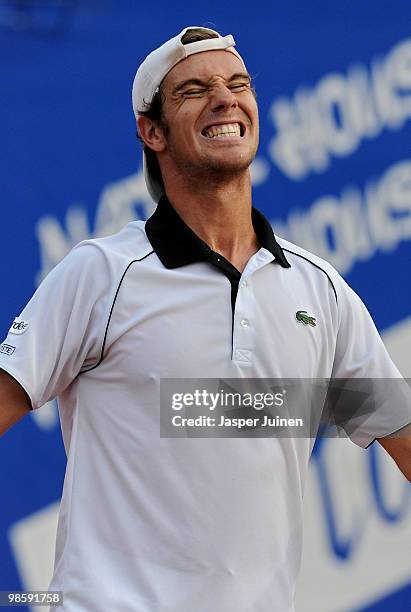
(156, 66)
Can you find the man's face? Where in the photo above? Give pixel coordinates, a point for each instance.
(211, 116)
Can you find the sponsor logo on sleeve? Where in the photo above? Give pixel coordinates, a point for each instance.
(7, 349)
(18, 327)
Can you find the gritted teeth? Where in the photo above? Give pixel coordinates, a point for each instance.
(227, 129)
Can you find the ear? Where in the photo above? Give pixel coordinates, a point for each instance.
(152, 134)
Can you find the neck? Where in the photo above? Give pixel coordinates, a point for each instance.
(220, 214)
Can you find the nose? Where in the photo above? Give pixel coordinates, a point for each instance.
(223, 98)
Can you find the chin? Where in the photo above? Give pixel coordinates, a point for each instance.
(234, 165)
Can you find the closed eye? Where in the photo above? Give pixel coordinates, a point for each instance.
(192, 93)
(239, 86)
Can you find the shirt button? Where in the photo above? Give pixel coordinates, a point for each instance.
(244, 284)
(244, 322)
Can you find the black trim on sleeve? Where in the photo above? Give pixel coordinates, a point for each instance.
(111, 312)
(317, 266)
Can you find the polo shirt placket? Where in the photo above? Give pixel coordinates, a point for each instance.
(176, 245)
(244, 328)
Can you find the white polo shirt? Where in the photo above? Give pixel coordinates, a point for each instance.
(151, 524)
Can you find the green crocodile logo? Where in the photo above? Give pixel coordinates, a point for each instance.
(303, 317)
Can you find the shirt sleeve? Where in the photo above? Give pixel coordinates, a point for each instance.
(373, 399)
(61, 330)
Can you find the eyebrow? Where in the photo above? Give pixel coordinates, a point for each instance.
(199, 82)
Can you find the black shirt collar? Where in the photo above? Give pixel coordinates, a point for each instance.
(177, 245)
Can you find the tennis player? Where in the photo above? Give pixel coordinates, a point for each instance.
(202, 290)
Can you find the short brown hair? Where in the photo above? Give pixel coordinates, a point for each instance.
(155, 109)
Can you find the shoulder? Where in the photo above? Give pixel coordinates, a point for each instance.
(130, 243)
(97, 265)
(110, 254)
(312, 266)
(302, 258)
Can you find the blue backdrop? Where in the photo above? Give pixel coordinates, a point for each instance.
(333, 173)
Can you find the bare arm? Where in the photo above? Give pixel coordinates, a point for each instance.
(14, 402)
(398, 445)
